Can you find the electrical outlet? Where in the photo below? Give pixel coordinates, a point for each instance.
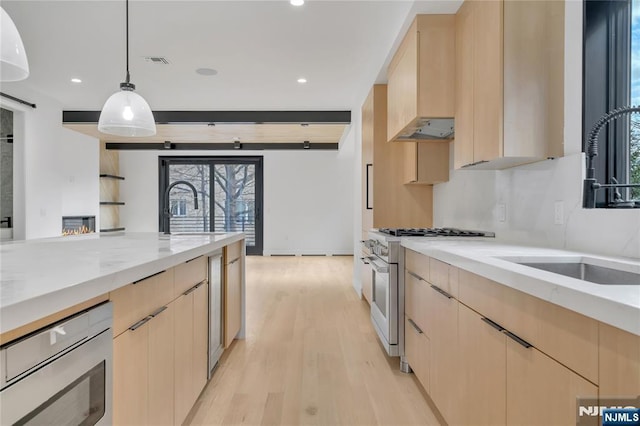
(502, 212)
(558, 213)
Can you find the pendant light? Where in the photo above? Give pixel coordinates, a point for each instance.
(13, 59)
(126, 113)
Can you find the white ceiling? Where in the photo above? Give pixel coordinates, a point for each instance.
(259, 48)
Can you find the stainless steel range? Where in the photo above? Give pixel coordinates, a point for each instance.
(383, 252)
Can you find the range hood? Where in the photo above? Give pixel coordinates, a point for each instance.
(430, 129)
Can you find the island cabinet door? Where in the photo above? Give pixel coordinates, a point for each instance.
(541, 391)
(183, 362)
(130, 376)
(200, 337)
(482, 372)
(233, 301)
(161, 364)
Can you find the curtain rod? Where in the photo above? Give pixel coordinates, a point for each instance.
(13, 98)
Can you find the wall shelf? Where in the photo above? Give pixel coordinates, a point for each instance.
(111, 203)
(104, 175)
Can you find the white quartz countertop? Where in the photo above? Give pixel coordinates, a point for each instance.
(616, 305)
(41, 277)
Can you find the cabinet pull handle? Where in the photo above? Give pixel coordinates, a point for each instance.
(234, 261)
(158, 312)
(368, 179)
(146, 278)
(191, 260)
(191, 290)
(442, 292)
(417, 277)
(493, 324)
(518, 339)
(414, 325)
(364, 261)
(140, 323)
(476, 163)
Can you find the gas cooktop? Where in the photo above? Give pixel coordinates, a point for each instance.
(434, 232)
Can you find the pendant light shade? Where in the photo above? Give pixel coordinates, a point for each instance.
(13, 58)
(126, 113)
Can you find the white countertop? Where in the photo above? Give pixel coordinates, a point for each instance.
(41, 277)
(616, 305)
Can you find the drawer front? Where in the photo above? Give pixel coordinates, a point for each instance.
(440, 276)
(417, 263)
(189, 274)
(133, 302)
(568, 337)
(417, 352)
(415, 300)
(233, 251)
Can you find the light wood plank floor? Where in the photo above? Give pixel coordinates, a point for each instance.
(311, 356)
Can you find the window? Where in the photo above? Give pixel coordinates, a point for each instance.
(178, 207)
(611, 80)
(634, 148)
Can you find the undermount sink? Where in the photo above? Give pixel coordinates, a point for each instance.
(585, 269)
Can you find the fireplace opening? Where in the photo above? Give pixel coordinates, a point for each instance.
(75, 225)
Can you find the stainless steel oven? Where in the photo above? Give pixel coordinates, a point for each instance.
(382, 260)
(384, 306)
(60, 375)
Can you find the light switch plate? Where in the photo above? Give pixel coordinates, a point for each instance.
(502, 212)
(558, 213)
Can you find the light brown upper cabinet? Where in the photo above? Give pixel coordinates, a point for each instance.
(509, 83)
(387, 202)
(421, 81)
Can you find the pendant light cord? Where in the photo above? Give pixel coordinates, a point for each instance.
(127, 32)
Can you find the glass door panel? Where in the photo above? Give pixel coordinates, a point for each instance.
(235, 199)
(184, 217)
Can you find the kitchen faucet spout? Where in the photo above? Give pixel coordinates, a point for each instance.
(167, 209)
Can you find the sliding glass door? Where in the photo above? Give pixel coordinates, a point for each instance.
(229, 192)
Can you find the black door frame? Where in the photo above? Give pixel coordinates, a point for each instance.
(257, 161)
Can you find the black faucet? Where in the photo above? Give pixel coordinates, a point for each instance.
(8, 221)
(590, 184)
(167, 210)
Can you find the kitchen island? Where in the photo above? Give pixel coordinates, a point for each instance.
(171, 301)
(44, 276)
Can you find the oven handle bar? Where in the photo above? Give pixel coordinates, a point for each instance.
(381, 269)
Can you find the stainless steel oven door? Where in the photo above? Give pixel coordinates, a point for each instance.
(384, 306)
(72, 389)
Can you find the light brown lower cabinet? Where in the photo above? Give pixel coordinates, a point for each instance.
(161, 367)
(190, 364)
(541, 391)
(417, 351)
(442, 323)
(200, 337)
(183, 363)
(482, 371)
(143, 372)
(233, 300)
(131, 377)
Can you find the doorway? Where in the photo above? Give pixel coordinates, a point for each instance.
(230, 196)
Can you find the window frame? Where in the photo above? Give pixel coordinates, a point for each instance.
(607, 85)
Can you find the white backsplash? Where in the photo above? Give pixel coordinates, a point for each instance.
(472, 198)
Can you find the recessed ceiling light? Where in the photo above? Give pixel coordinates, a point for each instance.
(76, 80)
(206, 71)
(302, 80)
(296, 2)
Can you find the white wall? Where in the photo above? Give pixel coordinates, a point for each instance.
(308, 197)
(470, 199)
(55, 169)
